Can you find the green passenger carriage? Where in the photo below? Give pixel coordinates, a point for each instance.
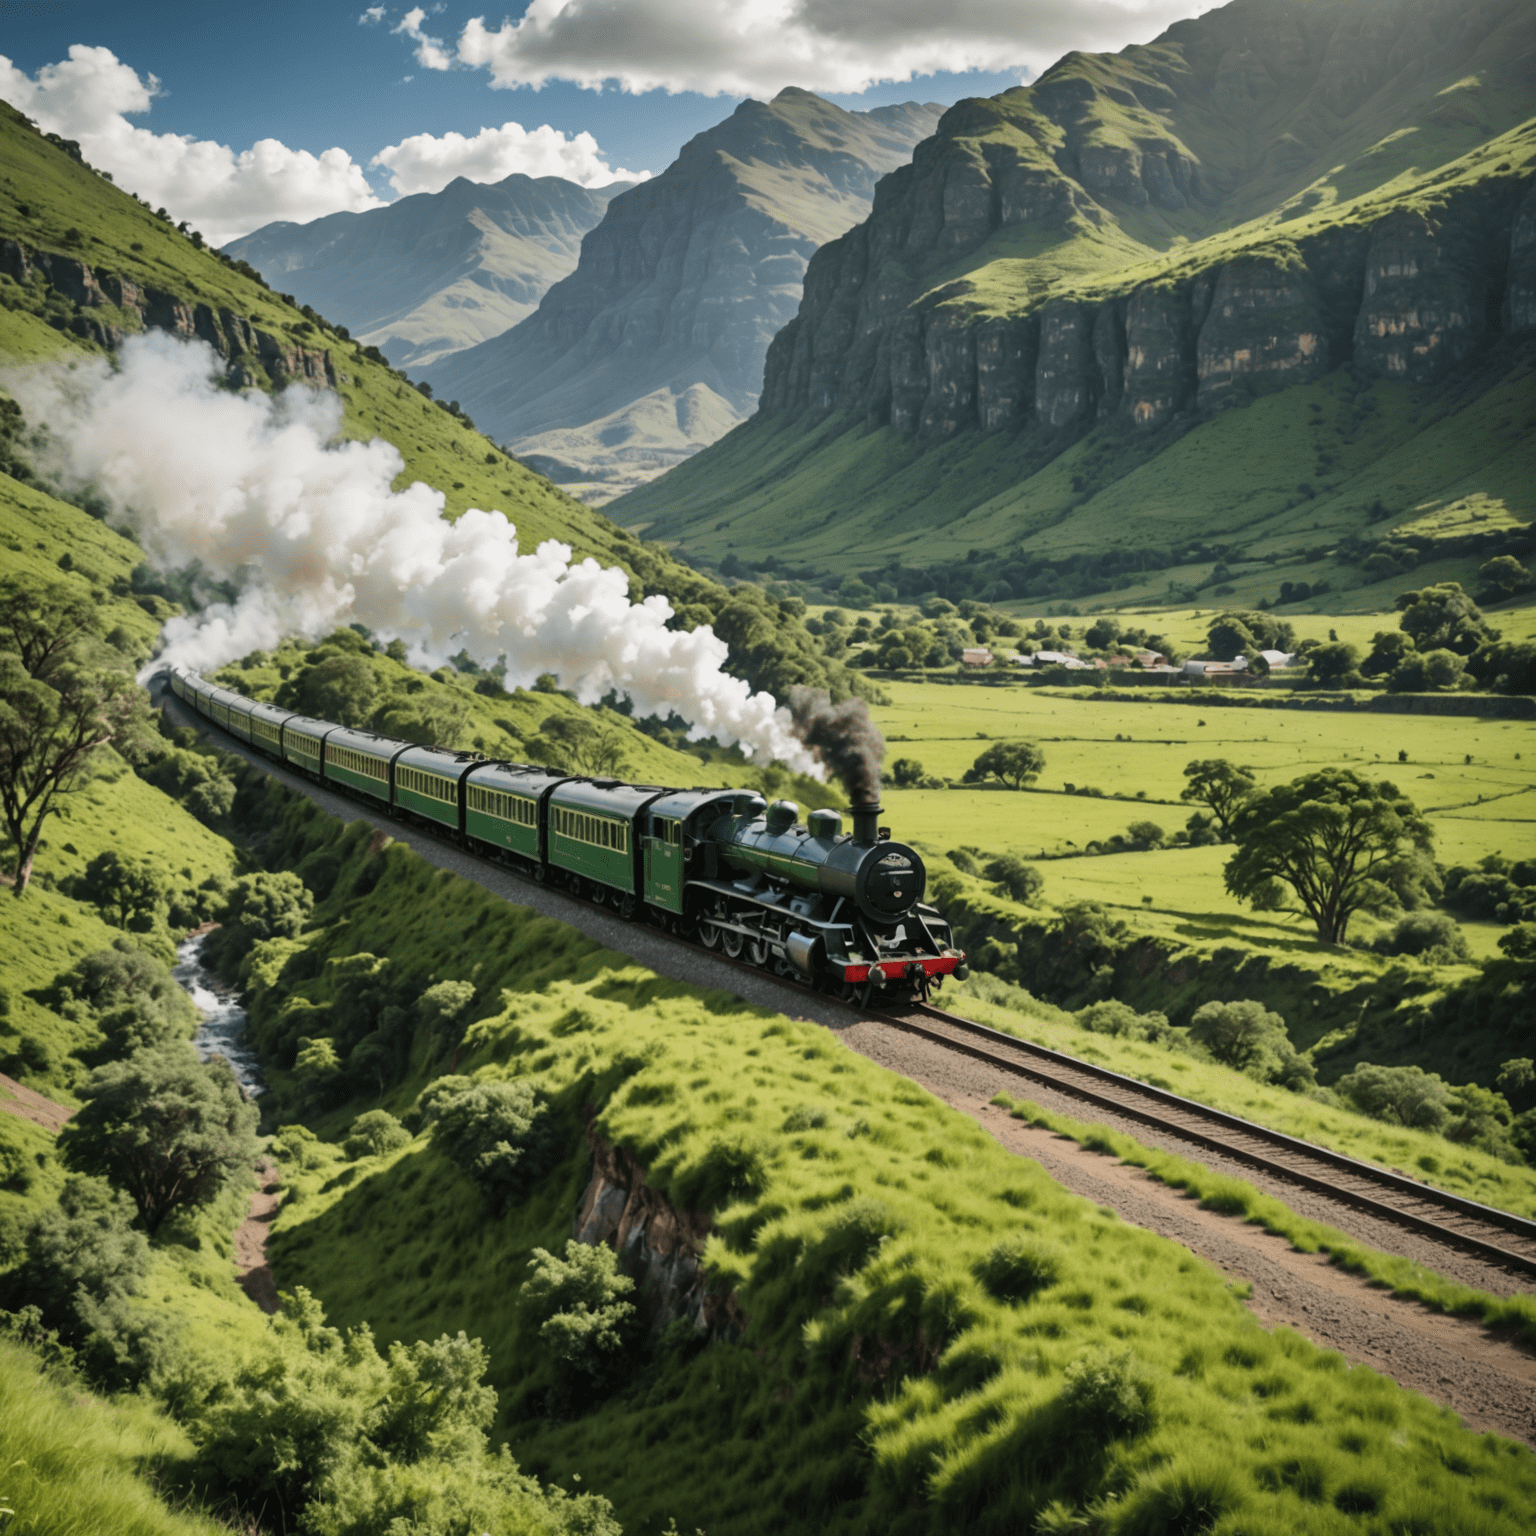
(504, 808)
(304, 742)
(361, 760)
(591, 832)
(428, 784)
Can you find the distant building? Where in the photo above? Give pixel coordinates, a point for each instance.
(1215, 669)
(1278, 660)
(1060, 659)
(1149, 658)
(976, 656)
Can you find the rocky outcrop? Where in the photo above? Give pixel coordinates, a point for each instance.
(1401, 299)
(660, 1247)
(109, 307)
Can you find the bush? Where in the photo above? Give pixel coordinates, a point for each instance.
(1112, 1017)
(1400, 1095)
(1023, 882)
(374, 1133)
(1018, 1268)
(580, 1304)
(497, 1133)
(1430, 935)
(1105, 1396)
(131, 997)
(1247, 1036)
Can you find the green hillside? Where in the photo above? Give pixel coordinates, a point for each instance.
(1259, 285)
(83, 265)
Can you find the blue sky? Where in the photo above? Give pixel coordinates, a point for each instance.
(308, 74)
(620, 84)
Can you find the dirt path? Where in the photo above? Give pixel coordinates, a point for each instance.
(25, 1104)
(1488, 1381)
(251, 1267)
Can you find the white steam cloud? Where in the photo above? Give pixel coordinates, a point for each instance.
(263, 492)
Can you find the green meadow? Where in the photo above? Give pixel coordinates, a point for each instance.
(919, 1311)
(1487, 805)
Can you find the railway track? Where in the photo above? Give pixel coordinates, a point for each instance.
(1500, 1236)
(1507, 1239)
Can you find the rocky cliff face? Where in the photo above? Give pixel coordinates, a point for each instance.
(659, 1246)
(107, 308)
(436, 272)
(680, 288)
(935, 315)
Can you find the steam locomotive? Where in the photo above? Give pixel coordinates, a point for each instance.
(840, 910)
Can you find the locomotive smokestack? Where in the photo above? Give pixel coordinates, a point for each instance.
(866, 822)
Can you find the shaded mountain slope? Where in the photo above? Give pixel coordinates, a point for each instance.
(1075, 278)
(436, 272)
(678, 291)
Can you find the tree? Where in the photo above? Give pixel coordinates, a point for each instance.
(1340, 842)
(1021, 881)
(1145, 834)
(1502, 577)
(63, 696)
(1219, 785)
(1427, 671)
(1247, 1036)
(1443, 617)
(374, 1133)
(128, 891)
(1334, 664)
(436, 719)
(1506, 667)
(580, 744)
(581, 1306)
(162, 1125)
(1388, 648)
(1014, 763)
(1241, 632)
(907, 773)
(335, 687)
(498, 1134)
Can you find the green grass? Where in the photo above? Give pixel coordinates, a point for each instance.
(1237, 1197)
(878, 1384)
(72, 1464)
(942, 726)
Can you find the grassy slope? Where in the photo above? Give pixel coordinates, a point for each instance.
(71, 1463)
(121, 236)
(827, 1415)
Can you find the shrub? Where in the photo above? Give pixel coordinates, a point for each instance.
(1247, 1036)
(1430, 935)
(580, 1304)
(497, 1134)
(1401, 1095)
(133, 996)
(1017, 1268)
(1023, 882)
(374, 1133)
(1112, 1017)
(1106, 1396)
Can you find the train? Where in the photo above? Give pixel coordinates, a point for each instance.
(840, 910)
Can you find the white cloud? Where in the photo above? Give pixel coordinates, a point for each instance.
(427, 163)
(431, 52)
(224, 194)
(756, 47)
(371, 17)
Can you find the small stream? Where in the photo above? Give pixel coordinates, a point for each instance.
(222, 1027)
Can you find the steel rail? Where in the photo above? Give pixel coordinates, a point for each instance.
(1193, 1121)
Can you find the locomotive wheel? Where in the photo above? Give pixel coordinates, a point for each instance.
(709, 935)
(759, 953)
(732, 943)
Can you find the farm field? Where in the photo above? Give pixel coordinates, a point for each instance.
(1487, 805)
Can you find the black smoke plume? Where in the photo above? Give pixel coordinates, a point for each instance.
(843, 738)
